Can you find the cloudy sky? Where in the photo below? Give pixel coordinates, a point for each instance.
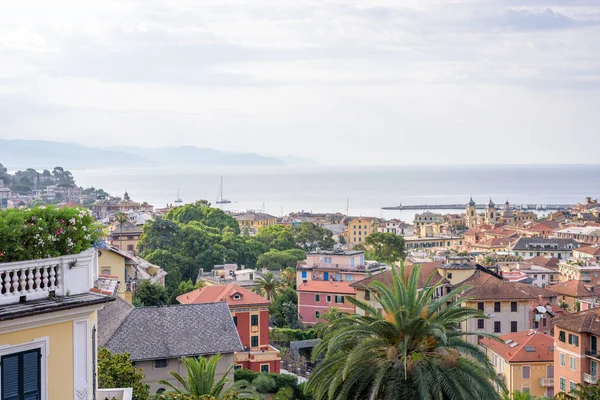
(342, 81)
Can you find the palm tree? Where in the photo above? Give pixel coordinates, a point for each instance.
(581, 392)
(488, 261)
(518, 395)
(413, 349)
(268, 286)
(201, 377)
(288, 277)
(121, 218)
(331, 316)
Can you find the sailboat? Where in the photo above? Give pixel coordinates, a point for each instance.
(178, 199)
(221, 200)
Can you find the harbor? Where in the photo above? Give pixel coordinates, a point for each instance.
(544, 207)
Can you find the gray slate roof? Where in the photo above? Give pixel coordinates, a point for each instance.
(110, 319)
(151, 333)
(546, 244)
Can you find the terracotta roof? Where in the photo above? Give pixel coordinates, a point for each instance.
(531, 346)
(216, 293)
(572, 288)
(326, 287)
(591, 250)
(583, 321)
(494, 242)
(501, 232)
(541, 261)
(427, 269)
(551, 224)
(488, 287)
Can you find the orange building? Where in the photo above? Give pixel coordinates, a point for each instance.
(251, 317)
(576, 354)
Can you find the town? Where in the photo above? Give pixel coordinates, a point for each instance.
(94, 285)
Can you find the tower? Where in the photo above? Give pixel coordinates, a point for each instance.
(490, 213)
(471, 214)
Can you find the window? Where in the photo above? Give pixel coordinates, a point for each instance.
(236, 367)
(563, 384)
(563, 362)
(129, 247)
(449, 275)
(317, 314)
(513, 306)
(162, 363)
(526, 389)
(317, 298)
(106, 272)
(254, 320)
(162, 390)
(480, 306)
(572, 386)
(21, 375)
(339, 299)
(497, 327)
(349, 278)
(513, 326)
(480, 324)
(303, 274)
(497, 306)
(574, 340)
(254, 341)
(328, 299)
(264, 368)
(367, 295)
(561, 336)
(544, 322)
(573, 363)
(235, 320)
(526, 372)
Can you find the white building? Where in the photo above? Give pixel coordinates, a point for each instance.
(4, 194)
(396, 226)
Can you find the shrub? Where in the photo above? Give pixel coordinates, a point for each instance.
(265, 384)
(244, 375)
(44, 232)
(285, 380)
(304, 393)
(285, 393)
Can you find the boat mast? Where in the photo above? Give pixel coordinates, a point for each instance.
(221, 187)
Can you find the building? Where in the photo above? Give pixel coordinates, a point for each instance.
(471, 217)
(530, 247)
(442, 242)
(575, 293)
(359, 229)
(428, 224)
(540, 276)
(396, 226)
(315, 298)
(524, 360)
(336, 265)
(106, 207)
(48, 327)
(125, 236)
(4, 195)
(128, 269)
(507, 304)
(491, 216)
(251, 317)
(157, 338)
(364, 292)
(587, 270)
(507, 216)
(585, 235)
(576, 354)
(253, 221)
(224, 271)
(587, 252)
(493, 244)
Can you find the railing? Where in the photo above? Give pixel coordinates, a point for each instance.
(40, 279)
(592, 353)
(591, 379)
(547, 382)
(116, 394)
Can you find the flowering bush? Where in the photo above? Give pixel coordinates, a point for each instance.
(43, 232)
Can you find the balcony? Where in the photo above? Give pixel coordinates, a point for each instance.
(547, 382)
(258, 355)
(115, 394)
(594, 353)
(591, 379)
(48, 277)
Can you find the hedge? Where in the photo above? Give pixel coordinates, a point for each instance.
(281, 380)
(290, 335)
(285, 393)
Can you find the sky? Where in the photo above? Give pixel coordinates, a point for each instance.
(341, 81)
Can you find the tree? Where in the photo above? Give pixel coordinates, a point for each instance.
(310, 237)
(117, 371)
(121, 218)
(277, 260)
(411, 349)
(488, 261)
(288, 277)
(185, 287)
(268, 285)
(200, 378)
(385, 247)
(580, 392)
(277, 237)
(283, 311)
(150, 294)
(331, 316)
(518, 395)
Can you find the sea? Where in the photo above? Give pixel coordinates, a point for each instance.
(358, 190)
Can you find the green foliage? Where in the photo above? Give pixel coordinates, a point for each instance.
(304, 393)
(281, 380)
(244, 375)
(244, 389)
(283, 311)
(288, 278)
(264, 384)
(42, 232)
(309, 236)
(291, 335)
(278, 260)
(268, 286)
(184, 287)
(518, 395)
(581, 392)
(285, 393)
(116, 371)
(410, 350)
(150, 294)
(200, 377)
(385, 247)
(201, 211)
(276, 237)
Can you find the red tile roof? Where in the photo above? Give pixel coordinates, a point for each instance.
(488, 287)
(541, 261)
(212, 294)
(326, 287)
(583, 321)
(539, 342)
(591, 250)
(573, 288)
(494, 242)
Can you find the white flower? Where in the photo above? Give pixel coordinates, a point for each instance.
(42, 207)
(73, 221)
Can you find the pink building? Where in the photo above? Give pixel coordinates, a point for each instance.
(315, 298)
(336, 265)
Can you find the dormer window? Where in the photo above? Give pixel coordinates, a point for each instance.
(237, 296)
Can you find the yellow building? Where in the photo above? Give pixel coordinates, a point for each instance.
(253, 221)
(359, 229)
(128, 269)
(48, 324)
(126, 236)
(524, 360)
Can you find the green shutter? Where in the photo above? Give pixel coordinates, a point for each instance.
(10, 377)
(21, 376)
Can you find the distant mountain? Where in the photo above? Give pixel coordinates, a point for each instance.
(20, 154)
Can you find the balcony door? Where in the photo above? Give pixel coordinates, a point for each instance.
(594, 345)
(326, 276)
(593, 368)
(550, 371)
